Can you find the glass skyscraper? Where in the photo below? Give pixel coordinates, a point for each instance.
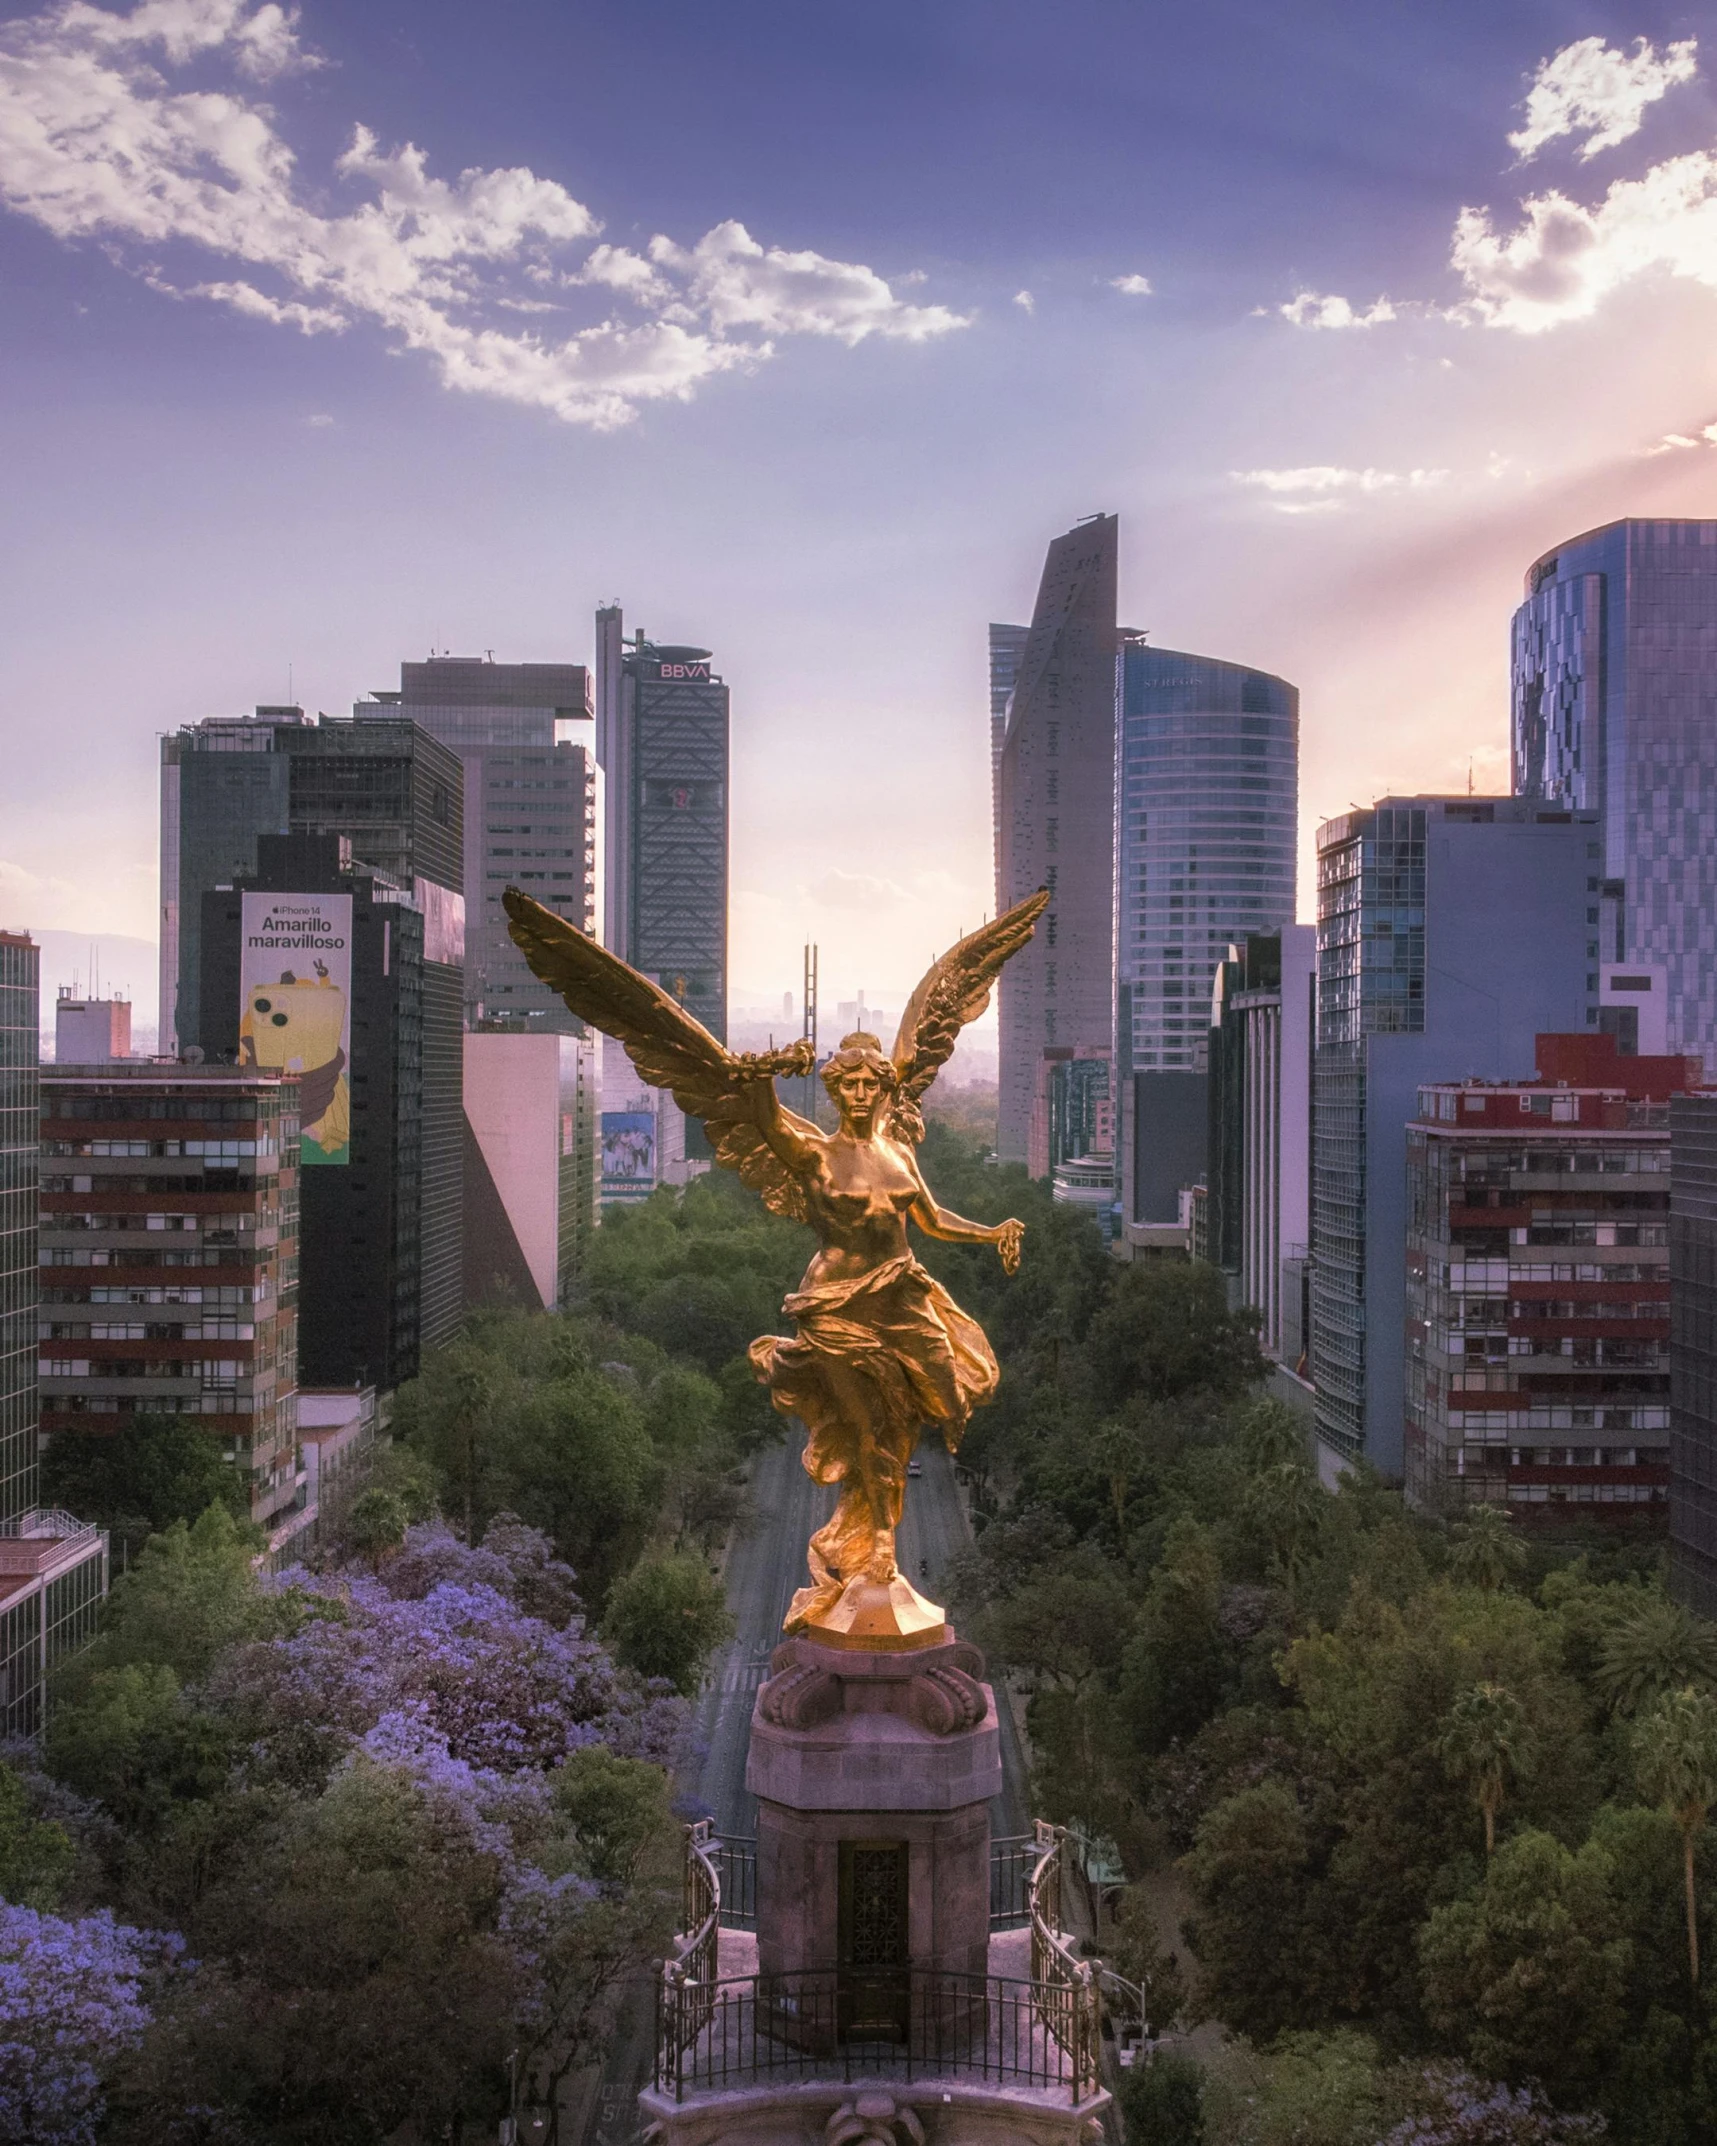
(1451, 933)
(1614, 676)
(1207, 808)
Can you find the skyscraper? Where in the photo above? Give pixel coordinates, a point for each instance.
(525, 734)
(1451, 934)
(662, 743)
(1207, 767)
(314, 962)
(20, 1049)
(1007, 645)
(1615, 709)
(1055, 828)
(53, 1568)
(394, 790)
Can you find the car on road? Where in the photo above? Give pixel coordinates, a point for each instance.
(915, 1467)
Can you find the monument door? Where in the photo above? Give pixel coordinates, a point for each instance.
(873, 1944)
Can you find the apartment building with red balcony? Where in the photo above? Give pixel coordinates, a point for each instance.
(169, 1260)
(1537, 1339)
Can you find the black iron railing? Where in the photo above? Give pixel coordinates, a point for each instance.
(1013, 1858)
(834, 2023)
(735, 1858)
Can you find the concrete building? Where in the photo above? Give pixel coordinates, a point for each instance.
(372, 1022)
(1007, 646)
(1260, 1083)
(1451, 932)
(530, 1166)
(1693, 1350)
(169, 1229)
(1207, 803)
(391, 789)
(90, 1031)
(1055, 827)
(53, 1567)
(1538, 1291)
(526, 736)
(337, 1429)
(1614, 662)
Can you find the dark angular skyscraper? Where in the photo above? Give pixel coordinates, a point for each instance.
(20, 1137)
(1615, 708)
(1055, 828)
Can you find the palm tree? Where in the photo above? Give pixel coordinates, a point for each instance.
(1485, 1739)
(1675, 1758)
(1657, 1647)
(1487, 1553)
(1286, 1505)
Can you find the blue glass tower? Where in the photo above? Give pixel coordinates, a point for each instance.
(1614, 669)
(1206, 808)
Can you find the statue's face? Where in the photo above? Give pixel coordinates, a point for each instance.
(858, 1092)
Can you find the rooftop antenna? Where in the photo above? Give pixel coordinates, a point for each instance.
(1469, 775)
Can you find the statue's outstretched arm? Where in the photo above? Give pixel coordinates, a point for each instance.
(946, 1227)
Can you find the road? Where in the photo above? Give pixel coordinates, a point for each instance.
(765, 1563)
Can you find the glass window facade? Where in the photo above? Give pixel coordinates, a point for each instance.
(1207, 804)
(1614, 683)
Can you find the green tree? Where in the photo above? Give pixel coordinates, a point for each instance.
(1250, 1872)
(354, 1985)
(1162, 2100)
(1286, 1507)
(191, 1593)
(130, 1738)
(140, 1477)
(1654, 1646)
(375, 1522)
(1165, 1330)
(667, 1616)
(1486, 1741)
(1178, 1664)
(36, 1854)
(1676, 1763)
(1487, 1552)
(1526, 1975)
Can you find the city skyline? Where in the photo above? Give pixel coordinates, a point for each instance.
(1355, 400)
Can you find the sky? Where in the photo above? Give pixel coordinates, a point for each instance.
(340, 335)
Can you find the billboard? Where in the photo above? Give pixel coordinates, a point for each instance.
(628, 1153)
(295, 1009)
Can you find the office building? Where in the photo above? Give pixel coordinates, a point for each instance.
(1259, 1143)
(1207, 776)
(169, 1261)
(1007, 645)
(1451, 933)
(53, 1567)
(1614, 666)
(394, 791)
(1054, 805)
(1693, 1350)
(526, 737)
(1538, 1288)
(318, 965)
(662, 742)
(530, 1166)
(90, 1031)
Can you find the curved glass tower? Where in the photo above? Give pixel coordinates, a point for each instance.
(1207, 758)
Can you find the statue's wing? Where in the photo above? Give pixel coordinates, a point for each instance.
(956, 991)
(669, 1048)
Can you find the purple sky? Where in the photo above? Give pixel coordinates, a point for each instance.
(333, 337)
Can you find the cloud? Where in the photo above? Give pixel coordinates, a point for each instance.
(1025, 301)
(1131, 286)
(1591, 88)
(1562, 260)
(1679, 442)
(96, 142)
(319, 419)
(1310, 310)
(856, 890)
(1320, 488)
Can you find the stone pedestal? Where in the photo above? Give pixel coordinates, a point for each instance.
(866, 1749)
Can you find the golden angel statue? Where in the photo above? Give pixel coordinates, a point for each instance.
(881, 1348)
